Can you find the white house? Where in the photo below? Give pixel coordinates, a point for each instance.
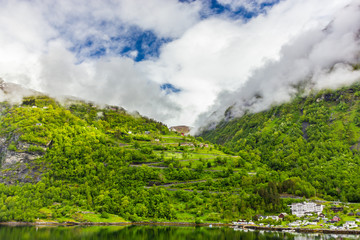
(302, 209)
(276, 218)
(350, 224)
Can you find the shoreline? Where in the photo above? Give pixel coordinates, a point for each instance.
(305, 230)
(277, 229)
(111, 224)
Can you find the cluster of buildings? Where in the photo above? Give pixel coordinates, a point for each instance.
(299, 223)
(309, 209)
(243, 223)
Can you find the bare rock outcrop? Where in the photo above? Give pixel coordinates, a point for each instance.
(18, 166)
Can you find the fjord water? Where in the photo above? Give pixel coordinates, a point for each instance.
(147, 233)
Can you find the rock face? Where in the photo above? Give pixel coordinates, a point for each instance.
(180, 129)
(18, 166)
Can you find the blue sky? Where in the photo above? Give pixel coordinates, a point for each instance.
(147, 44)
(240, 11)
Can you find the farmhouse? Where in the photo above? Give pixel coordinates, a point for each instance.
(335, 219)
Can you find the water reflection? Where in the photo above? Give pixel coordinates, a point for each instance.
(150, 233)
(305, 236)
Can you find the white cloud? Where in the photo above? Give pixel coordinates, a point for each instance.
(320, 56)
(168, 18)
(109, 81)
(219, 54)
(35, 39)
(214, 61)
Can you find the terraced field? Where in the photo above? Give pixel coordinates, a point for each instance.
(185, 153)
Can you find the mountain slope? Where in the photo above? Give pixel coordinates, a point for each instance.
(79, 162)
(315, 138)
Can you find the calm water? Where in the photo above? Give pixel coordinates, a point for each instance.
(148, 233)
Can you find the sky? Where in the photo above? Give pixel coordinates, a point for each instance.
(182, 62)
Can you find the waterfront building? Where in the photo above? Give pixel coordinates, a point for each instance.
(302, 209)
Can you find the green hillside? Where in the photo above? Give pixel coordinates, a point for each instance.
(78, 162)
(313, 142)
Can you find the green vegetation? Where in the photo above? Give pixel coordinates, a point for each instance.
(310, 146)
(83, 163)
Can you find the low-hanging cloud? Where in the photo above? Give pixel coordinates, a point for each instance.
(107, 81)
(219, 54)
(322, 57)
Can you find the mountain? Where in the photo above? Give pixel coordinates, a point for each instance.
(315, 139)
(77, 162)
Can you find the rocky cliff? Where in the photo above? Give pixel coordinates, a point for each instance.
(17, 162)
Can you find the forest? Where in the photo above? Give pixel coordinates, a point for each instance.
(314, 139)
(78, 162)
